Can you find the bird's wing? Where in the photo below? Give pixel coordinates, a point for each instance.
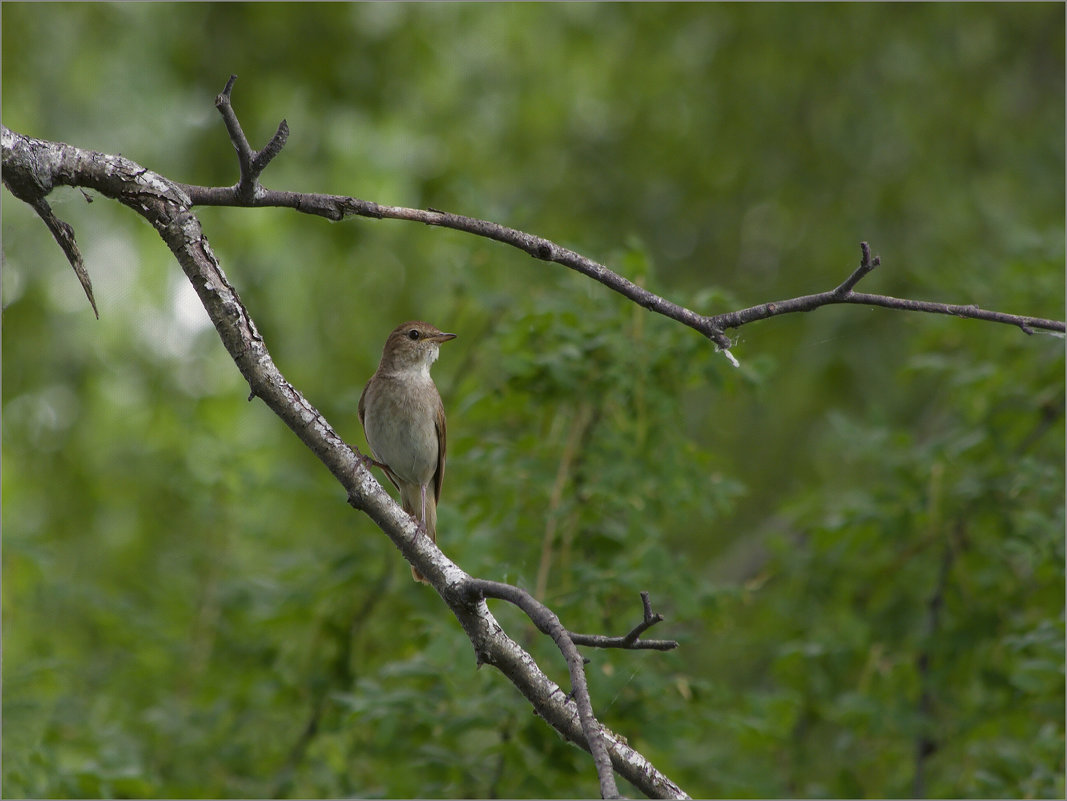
(439, 476)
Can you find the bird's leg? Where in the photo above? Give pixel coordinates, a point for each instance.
(370, 461)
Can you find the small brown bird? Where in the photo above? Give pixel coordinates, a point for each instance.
(404, 420)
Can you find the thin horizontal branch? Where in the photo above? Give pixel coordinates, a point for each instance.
(630, 641)
(332, 207)
(621, 643)
(544, 618)
(336, 207)
(844, 293)
(248, 192)
(1028, 325)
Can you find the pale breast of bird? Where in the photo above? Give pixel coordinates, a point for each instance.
(399, 431)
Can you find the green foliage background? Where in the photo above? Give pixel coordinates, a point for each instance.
(857, 537)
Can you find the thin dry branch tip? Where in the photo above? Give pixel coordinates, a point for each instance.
(646, 604)
(225, 93)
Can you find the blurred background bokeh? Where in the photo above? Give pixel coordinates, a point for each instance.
(857, 536)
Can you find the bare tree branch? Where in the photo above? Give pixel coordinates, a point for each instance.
(844, 294)
(632, 640)
(337, 207)
(248, 192)
(252, 162)
(549, 624)
(37, 163)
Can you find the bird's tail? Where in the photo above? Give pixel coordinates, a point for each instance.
(411, 500)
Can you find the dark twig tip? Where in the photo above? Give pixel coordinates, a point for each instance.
(223, 98)
(646, 604)
(272, 149)
(867, 263)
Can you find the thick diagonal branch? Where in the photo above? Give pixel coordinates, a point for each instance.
(165, 205)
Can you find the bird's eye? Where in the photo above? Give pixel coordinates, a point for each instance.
(413, 334)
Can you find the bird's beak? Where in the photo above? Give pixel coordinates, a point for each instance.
(443, 337)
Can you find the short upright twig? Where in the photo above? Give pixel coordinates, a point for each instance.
(866, 265)
(251, 162)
